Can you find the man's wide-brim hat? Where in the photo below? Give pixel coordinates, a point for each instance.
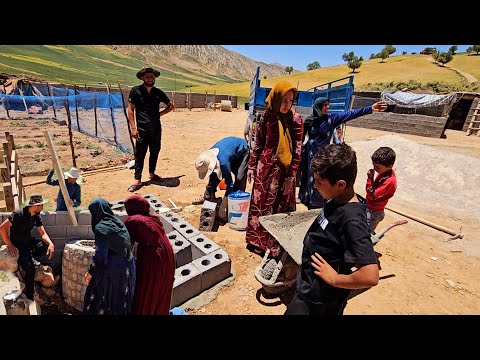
(207, 163)
(147, 70)
(73, 173)
(36, 199)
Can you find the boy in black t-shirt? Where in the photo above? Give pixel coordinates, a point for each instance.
(338, 239)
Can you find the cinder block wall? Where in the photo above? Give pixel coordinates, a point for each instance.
(422, 125)
(200, 262)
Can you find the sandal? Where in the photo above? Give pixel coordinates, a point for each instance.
(198, 201)
(156, 178)
(134, 187)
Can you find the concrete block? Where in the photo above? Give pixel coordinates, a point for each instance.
(182, 248)
(62, 218)
(186, 229)
(154, 201)
(201, 246)
(187, 284)
(52, 231)
(207, 216)
(122, 215)
(214, 268)
(84, 217)
(78, 232)
(48, 217)
(166, 225)
(171, 219)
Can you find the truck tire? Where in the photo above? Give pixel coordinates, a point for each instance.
(77, 257)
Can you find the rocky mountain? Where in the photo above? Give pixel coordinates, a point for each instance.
(200, 59)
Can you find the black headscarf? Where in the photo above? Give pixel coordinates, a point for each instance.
(316, 114)
(109, 229)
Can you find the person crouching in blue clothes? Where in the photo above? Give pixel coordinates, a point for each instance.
(73, 179)
(227, 156)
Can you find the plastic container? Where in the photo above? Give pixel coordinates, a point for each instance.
(238, 206)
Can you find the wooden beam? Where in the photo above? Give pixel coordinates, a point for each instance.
(7, 191)
(61, 180)
(13, 180)
(21, 191)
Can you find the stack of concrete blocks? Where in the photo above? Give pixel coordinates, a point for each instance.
(207, 216)
(200, 262)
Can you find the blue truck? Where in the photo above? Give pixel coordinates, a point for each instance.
(339, 92)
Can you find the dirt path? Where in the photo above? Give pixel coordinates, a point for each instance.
(422, 272)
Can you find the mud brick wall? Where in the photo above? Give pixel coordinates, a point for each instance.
(475, 104)
(422, 125)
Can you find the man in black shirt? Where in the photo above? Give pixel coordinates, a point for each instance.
(145, 100)
(20, 241)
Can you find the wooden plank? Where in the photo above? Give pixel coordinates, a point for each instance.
(13, 179)
(10, 139)
(21, 198)
(7, 191)
(61, 180)
(4, 174)
(6, 152)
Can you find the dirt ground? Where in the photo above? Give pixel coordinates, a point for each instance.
(422, 272)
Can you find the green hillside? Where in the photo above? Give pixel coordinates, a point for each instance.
(89, 64)
(395, 69)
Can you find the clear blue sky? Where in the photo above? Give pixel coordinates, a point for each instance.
(299, 56)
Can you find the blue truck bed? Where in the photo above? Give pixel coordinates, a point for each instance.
(340, 97)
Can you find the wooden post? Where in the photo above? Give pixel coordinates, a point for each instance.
(21, 190)
(7, 187)
(214, 100)
(70, 135)
(53, 102)
(24, 103)
(190, 101)
(206, 99)
(61, 180)
(13, 180)
(76, 107)
(95, 111)
(126, 117)
(111, 115)
(6, 101)
(6, 152)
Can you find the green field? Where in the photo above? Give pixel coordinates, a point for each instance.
(90, 64)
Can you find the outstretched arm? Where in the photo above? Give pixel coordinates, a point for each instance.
(343, 117)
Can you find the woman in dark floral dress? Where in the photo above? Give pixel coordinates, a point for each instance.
(273, 165)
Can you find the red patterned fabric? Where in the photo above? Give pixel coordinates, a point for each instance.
(155, 259)
(267, 194)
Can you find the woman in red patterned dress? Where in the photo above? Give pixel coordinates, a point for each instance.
(273, 165)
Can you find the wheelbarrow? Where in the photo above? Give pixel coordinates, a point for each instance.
(289, 229)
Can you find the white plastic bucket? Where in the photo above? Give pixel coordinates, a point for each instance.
(238, 206)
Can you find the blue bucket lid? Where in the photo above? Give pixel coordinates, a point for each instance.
(239, 194)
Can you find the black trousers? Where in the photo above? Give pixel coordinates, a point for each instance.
(300, 307)
(239, 170)
(26, 259)
(150, 139)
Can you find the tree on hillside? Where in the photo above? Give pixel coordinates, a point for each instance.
(313, 66)
(353, 62)
(452, 49)
(469, 50)
(428, 51)
(386, 52)
(289, 69)
(444, 57)
(476, 48)
(383, 55)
